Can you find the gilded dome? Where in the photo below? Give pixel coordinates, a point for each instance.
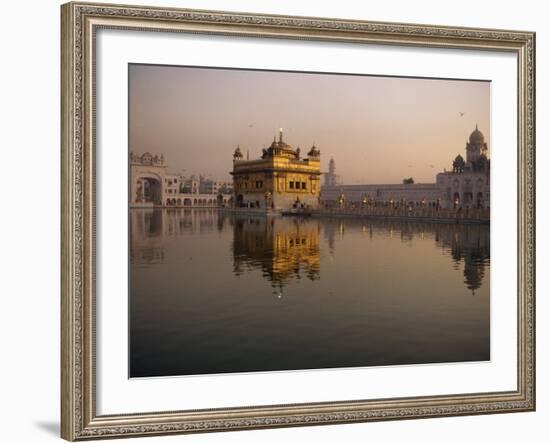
(477, 136)
(314, 151)
(238, 154)
(280, 147)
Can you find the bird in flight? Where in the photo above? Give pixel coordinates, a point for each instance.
(462, 114)
(250, 125)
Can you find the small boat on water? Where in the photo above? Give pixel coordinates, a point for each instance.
(298, 209)
(301, 212)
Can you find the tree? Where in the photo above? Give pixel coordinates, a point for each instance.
(408, 181)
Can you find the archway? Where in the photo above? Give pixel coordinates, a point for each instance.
(148, 190)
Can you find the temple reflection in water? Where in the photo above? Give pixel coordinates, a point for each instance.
(212, 292)
(282, 247)
(286, 248)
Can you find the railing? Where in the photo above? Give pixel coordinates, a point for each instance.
(436, 214)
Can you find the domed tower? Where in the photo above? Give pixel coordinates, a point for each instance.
(476, 146)
(458, 164)
(330, 177)
(281, 148)
(314, 152)
(332, 166)
(238, 155)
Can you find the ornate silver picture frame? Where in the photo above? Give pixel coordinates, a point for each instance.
(80, 24)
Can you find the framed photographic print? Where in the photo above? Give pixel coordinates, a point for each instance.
(281, 221)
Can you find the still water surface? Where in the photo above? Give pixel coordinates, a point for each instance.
(216, 293)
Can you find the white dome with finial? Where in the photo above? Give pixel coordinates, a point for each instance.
(477, 136)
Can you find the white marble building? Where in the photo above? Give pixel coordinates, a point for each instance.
(151, 185)
(467, 185)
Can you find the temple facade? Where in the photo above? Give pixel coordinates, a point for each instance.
(280, 179)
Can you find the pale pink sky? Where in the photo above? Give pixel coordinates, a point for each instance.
(378, 129)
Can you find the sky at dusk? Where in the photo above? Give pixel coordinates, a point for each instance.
(378, 129)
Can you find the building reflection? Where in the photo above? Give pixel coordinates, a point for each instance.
(467, 245)
(146, 229)
(289, 248)
(151, 228)
(470, 245)
(283, 248)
